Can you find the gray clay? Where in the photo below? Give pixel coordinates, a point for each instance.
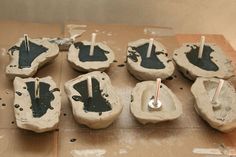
(105, 108)
(134, 62)
(222, 115)
(141, 95)
(224, 68)
(28, 114)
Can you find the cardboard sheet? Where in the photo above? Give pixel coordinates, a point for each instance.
(125, 137)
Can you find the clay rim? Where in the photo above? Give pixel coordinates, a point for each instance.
(205, 101)
(73, 58)
(106, 85)
(36, 123)
(136, 110)
(136, 66)
(218, 58)
(53, 51)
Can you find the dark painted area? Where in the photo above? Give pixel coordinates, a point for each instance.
(205, 62)
(121, 65)
(18, 93)
(16, 105)
(55, 90)
(99, 54)
(153, 62)
(43, 103)
(170, 78)
(25, 57)
(95, 104)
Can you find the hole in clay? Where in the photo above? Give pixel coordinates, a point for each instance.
(3, 104)
(64, 114)
(12, 122)
(181, 88)
(115, 61)
(21, 109)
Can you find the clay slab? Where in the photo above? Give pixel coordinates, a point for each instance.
(143, 92)
(225, 68)
(222, 118)
(142, 73)
(89, 66)
(12, 69)
(93, 119)
(26, 118)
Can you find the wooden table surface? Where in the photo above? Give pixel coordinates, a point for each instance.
(125, 137)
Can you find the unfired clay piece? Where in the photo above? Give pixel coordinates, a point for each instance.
(222, 118)
(143, 92)
(94, 119)
(13, 70)
(23, 107)
(225, 71)
(89, 66)
(142, 73)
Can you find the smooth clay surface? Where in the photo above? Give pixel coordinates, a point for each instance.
(99, 111)
(222, 118)
(143, 92)
(38, 115)
(158, 65)
(93, 63)
(213, 64)
(13, 69)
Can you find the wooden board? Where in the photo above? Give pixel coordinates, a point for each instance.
(126, 137)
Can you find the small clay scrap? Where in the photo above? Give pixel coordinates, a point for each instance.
(64, 43)
(24, 62)
(221, 114)
(37, 104)
(213, 62)
(157, 65)
(80, 59)
(98, 110)
(144, 92)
